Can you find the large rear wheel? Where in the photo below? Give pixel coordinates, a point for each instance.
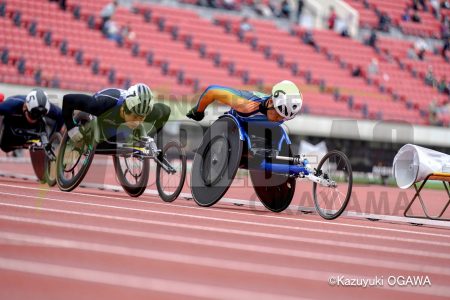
(50, 170)
(132, 173)
(74, 159)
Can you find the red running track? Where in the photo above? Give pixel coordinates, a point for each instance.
(92, 244)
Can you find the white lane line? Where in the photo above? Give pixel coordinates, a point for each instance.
(224, 264)
(181, 288)
(231, 245)
(253, 204)
(328, 223)
(278, 237)
(259, 224)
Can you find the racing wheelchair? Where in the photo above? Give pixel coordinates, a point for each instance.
(131, 160)
(43, 145)
(263, 148)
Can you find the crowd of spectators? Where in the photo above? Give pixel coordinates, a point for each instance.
(439, 113)
(110, 29)
(285, 9)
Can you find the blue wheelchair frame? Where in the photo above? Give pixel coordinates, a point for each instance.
(295, 170)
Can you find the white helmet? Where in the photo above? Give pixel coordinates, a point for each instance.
(287, 99)
(37, 103)
(138, 99)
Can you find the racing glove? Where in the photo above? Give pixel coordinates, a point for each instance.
(195, 115)
(75, 134)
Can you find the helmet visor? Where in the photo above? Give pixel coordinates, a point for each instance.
(37, 113)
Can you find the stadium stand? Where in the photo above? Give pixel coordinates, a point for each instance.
(179, 52)
(97, 52)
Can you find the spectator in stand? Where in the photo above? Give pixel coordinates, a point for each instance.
(415, 17)
(108, 12)
(111, 31)
(286, 9)
(406, 14)
(384, 22)
(445, 4)
(245, 26)
(411, 54)
(372, 40)
(435, 8)
(262, 9)
(127, 34)
(229, 4)
(429, 76)
(422, 4)
(356, 72)
(62, 3)
(308, 38)
(443, 85)
(332, 18)
(445, 28)
(209, 3)
(421, 46)
(432, 112)
(373, 69)
(300, 5)
(343, 25)
(445, 48)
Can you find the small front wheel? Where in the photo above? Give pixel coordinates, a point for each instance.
(332, 198)
(171, 171)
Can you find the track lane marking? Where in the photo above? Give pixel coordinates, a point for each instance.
(135, 282)
(303, 274)
(328, 223)
(209, 218)
(230, 245)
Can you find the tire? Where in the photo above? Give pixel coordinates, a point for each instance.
(168, 150)
(344, 182)
(50, 166)
(132, 189)
(38, 162)
(87, 150)
(276, 191)
(209, 183)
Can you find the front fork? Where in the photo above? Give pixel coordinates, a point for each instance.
(44, 144)
(306, 171)
(150, 145)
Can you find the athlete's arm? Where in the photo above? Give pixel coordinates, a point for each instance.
(55, 114)
(84, 103)
(10, 106)
(226, 96)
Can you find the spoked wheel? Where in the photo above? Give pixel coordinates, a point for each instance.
(50, 170)
(331, 200)
(132, 173)
(74, 159)
(171, 174)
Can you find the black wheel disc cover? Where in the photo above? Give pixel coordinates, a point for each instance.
(209, 192)
(275, 191)
(215, 160)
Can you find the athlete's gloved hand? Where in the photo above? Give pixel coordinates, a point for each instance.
(75, 134)
(195, 115)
